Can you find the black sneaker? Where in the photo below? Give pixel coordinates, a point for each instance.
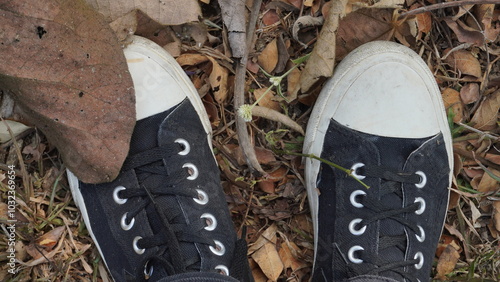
(165, 215)
(380, 115)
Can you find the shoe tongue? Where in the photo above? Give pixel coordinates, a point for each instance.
(144, 137)
(393, 154)
(145, 134)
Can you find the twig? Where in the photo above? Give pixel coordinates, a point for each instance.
(239, 93)
(334, 165)
(446, 5)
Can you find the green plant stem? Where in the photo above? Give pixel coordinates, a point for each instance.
(334, 165)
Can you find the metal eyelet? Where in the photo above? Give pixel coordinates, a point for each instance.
(116, 197)
(353, 196)
(148, 270)
(222, 269)
(193, 171)
(421, 209)
(185, 144)
(420, 258)
(423, 179)
(421, 237)
(210, 220)
(354, 168)
(202, 197)
(123, 222)
(350, 254)
(138, 250)
(219, 248)
(352, 226)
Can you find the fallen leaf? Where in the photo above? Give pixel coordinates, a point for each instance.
(488, 183)
(424, 20)
(269, 235)
(320, 63)
(218, 81)
(266, 186)
(269, 261)
(465, 35)
(486, 115)
(278, 117)
(469, 93)
(268, 58)
(362, 26)
(293, 84)
(266, 101)
(486, 16)
(447, 261)
(496, 214)
(451, 99)
(83, 99)
(288, 252)
(308, 3)
(303, 22)
(270, 17)
(165, 12)
(464, 62)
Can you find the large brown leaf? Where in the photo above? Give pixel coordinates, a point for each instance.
(64, 67)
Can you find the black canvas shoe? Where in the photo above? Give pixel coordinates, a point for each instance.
(166, 214)
(380, 115)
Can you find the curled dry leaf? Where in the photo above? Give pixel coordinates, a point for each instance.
(278, 117)
(424, 20)
(451, 99)
(447, 261)
(165, 12)
(489, 19)
(469, 93)
(322, 59)
(70, 81)
(486, 115)
(465, 34)
(270, 17)
(463, 62)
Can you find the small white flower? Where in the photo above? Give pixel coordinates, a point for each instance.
(275, 80)
(245, 111)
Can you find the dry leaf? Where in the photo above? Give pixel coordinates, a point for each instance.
(469, 93)
(165, 12)
(268, 58)
(70, 81)
(278, 117)
(269, 235)
(363, 26)
(293, 84)
(465, 35)
(496, 214)
(322, 59)
(267, 100)
(488, 183)
(270, 17)
(447, 262)
(50, 239)
(464, 62)
(486, 115)
(218, 81)
(288, 253)
(424, 20)
(269, 261)
(451, 99)
(486, 16)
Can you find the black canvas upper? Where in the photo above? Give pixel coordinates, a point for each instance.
(161, 200)
(392, 226)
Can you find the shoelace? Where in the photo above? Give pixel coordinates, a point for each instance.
(155, 181)
(391, 184)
